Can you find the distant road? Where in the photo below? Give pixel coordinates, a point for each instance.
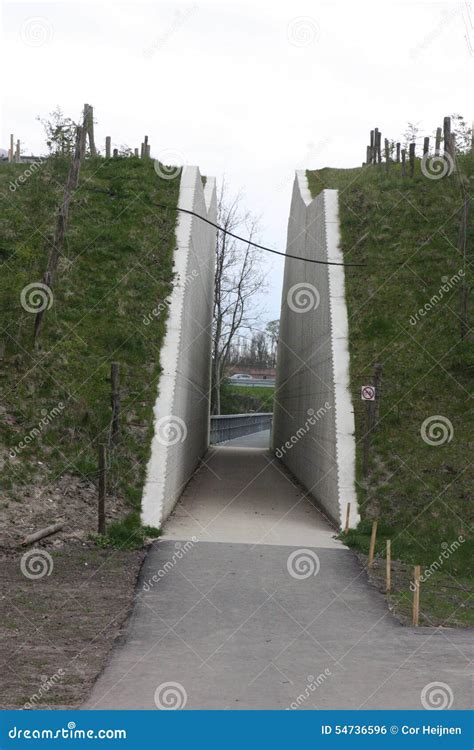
(253, 383)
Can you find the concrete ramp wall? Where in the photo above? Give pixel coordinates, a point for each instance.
(181, 414)
(313, 426)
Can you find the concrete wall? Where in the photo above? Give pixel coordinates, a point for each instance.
(182, 407)
(313, 426)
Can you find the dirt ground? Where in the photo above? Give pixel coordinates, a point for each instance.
(61, 610)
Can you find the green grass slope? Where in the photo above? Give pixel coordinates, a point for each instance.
(116, 270)
(406, 231)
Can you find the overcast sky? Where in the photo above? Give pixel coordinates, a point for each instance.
(253, 90)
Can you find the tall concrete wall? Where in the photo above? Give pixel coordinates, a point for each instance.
(181, 411)
(313, 426)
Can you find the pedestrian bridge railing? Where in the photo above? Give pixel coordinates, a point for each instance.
(228, 426)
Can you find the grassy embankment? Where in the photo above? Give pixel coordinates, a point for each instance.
(406, 231)
(116, 269)
(241, 399)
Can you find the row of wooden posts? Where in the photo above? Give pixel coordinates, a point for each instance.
(388, 566)
(374, 149)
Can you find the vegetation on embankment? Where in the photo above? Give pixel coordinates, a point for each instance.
(241, 399)
(406, 231)
(56, 398)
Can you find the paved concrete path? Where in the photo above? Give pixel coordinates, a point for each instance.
(255, 621)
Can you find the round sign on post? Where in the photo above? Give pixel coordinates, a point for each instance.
(367, 393)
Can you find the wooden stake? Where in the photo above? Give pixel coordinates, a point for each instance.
(416, 596)
(115, 153)
(89, 125)
(136, 152)
(102, 489)
(115, 401)
(447, 135)
(373, 537)
(404, 162)
(411, 155)
(438, 141)
(17, 155)
(12, 151)
(108, 145)
(348, 513)
(398, 153)
(388, 566)
(387, 154)
(426, 145)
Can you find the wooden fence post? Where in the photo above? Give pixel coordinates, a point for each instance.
(136, 152)
(426, 145)
(89, 126)
(398, 153)
(372, 147)
(447, 135)
(387, 155)
(438, 141)
(115, 401)
(416, 596)
(348, 514)
(12, 152)
(373, 537)
(17, 155)
(388, 566)
(404, 162)
(108, 146)
(115, 153)
(411, 155)
(102, 489)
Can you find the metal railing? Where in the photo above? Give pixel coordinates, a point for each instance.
(228, 426)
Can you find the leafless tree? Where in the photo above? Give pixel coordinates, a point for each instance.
(238, 279)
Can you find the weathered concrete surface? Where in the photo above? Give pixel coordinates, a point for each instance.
(245, 495)
(313, 407)
(235, 630)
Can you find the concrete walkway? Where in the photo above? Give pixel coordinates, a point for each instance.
(267, 610)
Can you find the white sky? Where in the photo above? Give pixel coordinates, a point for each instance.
(252, 90)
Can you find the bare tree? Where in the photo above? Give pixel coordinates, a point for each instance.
(238, 279)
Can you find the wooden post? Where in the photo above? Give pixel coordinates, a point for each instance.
(102, 489)
(426, 145)
(142, 150)
(17, 155)
(372, 147)
(367, 155)
(379, 147)
(136, 152)
(348, 513)
(416, 596)
(373, 537)
(387, 154)
(115, 153)
(115, 401)
(377, 386)
(108, 146)
(89, 125)
(388, 566)
(398, 153)
(376, 141)
(404, 161)
(411, 155)
(438, 141)
(447, 134)
(452, 149)
(12, 151)
(148, 151)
